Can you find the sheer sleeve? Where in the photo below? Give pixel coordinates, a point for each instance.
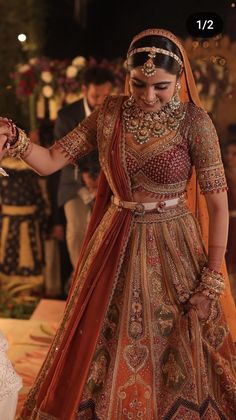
(80, 141)
(205, 152)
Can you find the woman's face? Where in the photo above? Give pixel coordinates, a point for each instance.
(230, 156)
(151, 93)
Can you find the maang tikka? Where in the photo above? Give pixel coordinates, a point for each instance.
(149, 68)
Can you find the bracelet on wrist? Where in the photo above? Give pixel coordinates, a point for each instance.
(20, 147)
(211, 283)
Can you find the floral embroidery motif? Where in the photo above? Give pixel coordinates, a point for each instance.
(216, 335)
(135, 356)
(136, 308)
(134, 399)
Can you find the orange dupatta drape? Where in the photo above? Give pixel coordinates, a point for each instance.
(60, 383)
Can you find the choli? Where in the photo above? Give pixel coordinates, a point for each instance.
(163, 167)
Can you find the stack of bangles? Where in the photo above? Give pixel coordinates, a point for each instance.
(19, 145)
(211, 286)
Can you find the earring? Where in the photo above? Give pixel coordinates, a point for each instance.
(175, 100)
(177, 87)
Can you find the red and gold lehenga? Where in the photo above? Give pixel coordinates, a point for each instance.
(126, 347)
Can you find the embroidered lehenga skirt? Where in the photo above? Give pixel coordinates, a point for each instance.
(154, 359)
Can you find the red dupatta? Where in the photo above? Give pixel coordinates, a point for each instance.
(60, 383)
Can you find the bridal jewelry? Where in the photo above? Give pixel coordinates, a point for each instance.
(146, 125)
(149, 68)
(20, 147)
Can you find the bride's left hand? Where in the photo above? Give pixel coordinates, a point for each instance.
(202, 305)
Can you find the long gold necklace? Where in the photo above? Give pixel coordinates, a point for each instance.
(146, 125)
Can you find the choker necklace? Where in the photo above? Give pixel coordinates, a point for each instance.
(145, 125)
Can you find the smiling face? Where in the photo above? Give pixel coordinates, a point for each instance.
(152, 93)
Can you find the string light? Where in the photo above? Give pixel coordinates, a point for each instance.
(22, 37)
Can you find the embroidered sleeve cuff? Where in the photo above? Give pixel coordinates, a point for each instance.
(75, 144)
(212, 179)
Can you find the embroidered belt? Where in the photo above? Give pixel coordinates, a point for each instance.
(141, 208)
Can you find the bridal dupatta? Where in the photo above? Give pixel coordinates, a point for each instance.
(66, 367)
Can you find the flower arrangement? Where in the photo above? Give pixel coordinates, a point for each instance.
(43, 85)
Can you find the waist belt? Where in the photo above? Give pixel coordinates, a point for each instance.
(141, 208)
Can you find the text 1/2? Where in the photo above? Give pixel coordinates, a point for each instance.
(205, 24)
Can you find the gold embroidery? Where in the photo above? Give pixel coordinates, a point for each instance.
(205, 150)
(106, 125)
(80, 141)
(216, 335)
(139, 402)
(135, 356)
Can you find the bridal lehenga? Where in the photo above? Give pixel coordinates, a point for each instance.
(129, 347)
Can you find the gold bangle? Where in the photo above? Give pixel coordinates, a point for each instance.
(19, 149)
(212, 283)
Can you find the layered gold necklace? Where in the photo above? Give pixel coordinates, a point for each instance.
(145, 125)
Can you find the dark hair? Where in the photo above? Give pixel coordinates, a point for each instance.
(161, 60)
(98, 75)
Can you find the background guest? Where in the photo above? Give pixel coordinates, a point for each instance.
(73, 194)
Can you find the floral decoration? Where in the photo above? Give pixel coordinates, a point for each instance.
(43, 85)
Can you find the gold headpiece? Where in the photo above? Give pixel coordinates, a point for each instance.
(149, 68)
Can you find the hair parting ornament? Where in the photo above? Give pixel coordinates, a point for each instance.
(149, 68)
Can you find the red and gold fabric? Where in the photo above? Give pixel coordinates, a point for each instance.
(127, 347)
